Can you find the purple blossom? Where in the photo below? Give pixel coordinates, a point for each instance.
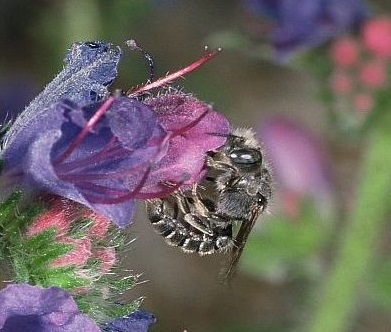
(297, 24)
(137, 321)
(90, 68)
(34, 309)
(107, 154)
(298, 162)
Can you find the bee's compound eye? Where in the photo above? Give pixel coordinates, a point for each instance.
(245, 156)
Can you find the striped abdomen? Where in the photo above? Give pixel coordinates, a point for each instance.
(178, 232)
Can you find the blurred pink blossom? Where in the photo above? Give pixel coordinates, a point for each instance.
(377, 36)
(299, 165)
(373, 73)
(345, 52)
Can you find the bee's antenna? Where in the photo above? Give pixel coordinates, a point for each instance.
(133, 46)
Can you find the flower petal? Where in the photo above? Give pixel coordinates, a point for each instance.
(195, 128)
(100, 166)
(137, 321)
(34, 309)
(90, 69)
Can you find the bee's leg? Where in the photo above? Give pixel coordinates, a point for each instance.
(191, 215)
(198, 204)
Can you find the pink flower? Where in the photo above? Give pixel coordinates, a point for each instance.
(345, 52)
(56, 216)
(99, 228)
(373, 73)
(69, 219)
(377, 36)
(107, 258)
(299, 165)
(77, 256)
(107, 155)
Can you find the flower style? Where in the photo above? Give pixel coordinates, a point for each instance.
(105, 155)
(307, 23)
(35, 309)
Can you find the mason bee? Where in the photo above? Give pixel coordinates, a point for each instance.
(198, 220)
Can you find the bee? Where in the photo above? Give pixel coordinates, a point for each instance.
(202, 222)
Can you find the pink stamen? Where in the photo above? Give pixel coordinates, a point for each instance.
(123, 198)
(110, 151)
(86, 129)
(171, 77)
(101, 190)
(67, 171)
(122, 195)
(131, 195)
(161, 193)
(190, 125)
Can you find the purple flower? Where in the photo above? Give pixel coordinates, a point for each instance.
(34, 309)
(137, 321)
(105, 155)
(297, 24)
(90, 68)
(298, 163)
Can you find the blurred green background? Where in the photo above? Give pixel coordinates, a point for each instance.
(287, 256)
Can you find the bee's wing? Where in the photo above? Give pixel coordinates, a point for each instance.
(240, 241)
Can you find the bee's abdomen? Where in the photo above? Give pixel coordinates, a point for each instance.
(179, 233)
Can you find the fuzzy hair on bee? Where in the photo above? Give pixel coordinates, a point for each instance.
(198, 220)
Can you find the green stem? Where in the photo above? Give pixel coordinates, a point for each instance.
(359, 242)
